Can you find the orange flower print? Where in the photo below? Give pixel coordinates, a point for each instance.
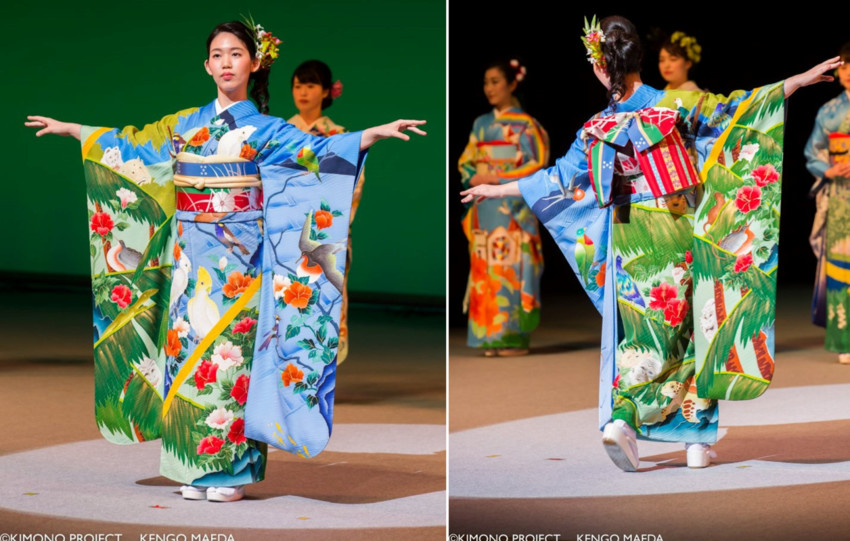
(177, 252)
(236, 284)
(600, 277)
(529, 303)
(200, 137)
(297, 295)
(179, 229)
(173, 345)
(291, 373)
(508, 273)
(324, 219)
(248, 152)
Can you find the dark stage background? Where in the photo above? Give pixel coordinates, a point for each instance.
(740, 50)
(108, 63)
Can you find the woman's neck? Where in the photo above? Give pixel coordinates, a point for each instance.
(632, 83)
(677, 85)
(226, 99)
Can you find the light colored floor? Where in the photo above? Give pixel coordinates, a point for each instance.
(383, 476)
(526, 455)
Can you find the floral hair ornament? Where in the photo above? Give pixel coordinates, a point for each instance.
(689, 43)
(336, 89)
(593, 40)
(519, 69)
(266, 43)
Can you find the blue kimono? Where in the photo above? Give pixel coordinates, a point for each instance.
(218, 255)
(685, 281)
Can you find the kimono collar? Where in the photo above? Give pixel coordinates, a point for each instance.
(503, 112)
(238, 110)
(299, 122)
(644, 96)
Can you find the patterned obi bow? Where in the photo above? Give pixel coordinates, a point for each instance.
(659, 161)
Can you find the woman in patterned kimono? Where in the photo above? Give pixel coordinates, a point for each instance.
(678, 55)
(506, 259)
(828, 159)
(198, 223)
(683, 268)
(313, 92)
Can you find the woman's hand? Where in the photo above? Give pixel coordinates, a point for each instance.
(814, 75)
(839, 170)
(50, 125)
(484, 178)
(490, 191)
(393, 129)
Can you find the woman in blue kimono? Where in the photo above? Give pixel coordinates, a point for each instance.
(828, 159)
(198, 225)
(667, 207)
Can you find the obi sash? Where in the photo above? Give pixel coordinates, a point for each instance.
(208, 184)
(659, 157)
(839, 148)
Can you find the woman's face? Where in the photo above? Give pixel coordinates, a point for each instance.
(844, 74)
(308, 96)
(673, 68)
(497, 89)
(230, 64)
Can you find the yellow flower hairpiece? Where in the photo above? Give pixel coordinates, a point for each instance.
(693, 50)
(266, 43)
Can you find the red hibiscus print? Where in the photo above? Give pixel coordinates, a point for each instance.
(210, 445)
(748, 198)
(172, 343)
(660, 296)
(675, 311)
(206, 373)
(765, 174)
(237, 432)
(201, 137)
(121, 295)
(101, 223)
(244, 326)
(689, 257)
(743, 262)
(239, 393)
(324, 219)
(248, 152)
(617, 381)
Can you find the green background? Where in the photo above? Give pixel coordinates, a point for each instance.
(118, 63)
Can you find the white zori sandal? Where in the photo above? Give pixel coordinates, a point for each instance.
(225, 494)
(699, 455)
(620, 442)
(193, 493)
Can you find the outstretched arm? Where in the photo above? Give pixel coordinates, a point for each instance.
(393, 129)
(50, 125)
(491, 191)
(814, 75)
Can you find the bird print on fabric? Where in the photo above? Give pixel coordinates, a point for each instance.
(323, 255)
(626, 287)
(203, 311)
(585, 252)
(307, 158)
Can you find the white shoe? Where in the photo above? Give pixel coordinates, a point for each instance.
(699, 455)
(193, 493)
(225, 494)
(620, 441)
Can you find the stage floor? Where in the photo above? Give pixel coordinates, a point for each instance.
(382, 476)
(526, 454)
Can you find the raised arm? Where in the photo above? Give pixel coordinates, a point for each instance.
(812, 76)
(393, 129)
(50, 125)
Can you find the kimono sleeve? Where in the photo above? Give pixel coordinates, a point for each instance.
(308, 183)
(130, 199)
(738, 141)
(817, 151)
(466, 163)
(558, 197)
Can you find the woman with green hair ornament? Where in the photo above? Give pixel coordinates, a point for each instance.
(206, 335)
(682, 205)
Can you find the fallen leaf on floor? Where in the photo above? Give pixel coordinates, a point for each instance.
(30, 493)
(745, 466)
(492, 456)
(159, 507)
(555, 459)
(303, 518)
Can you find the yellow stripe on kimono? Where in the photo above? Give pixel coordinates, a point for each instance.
(209, 332)
(682, 267)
